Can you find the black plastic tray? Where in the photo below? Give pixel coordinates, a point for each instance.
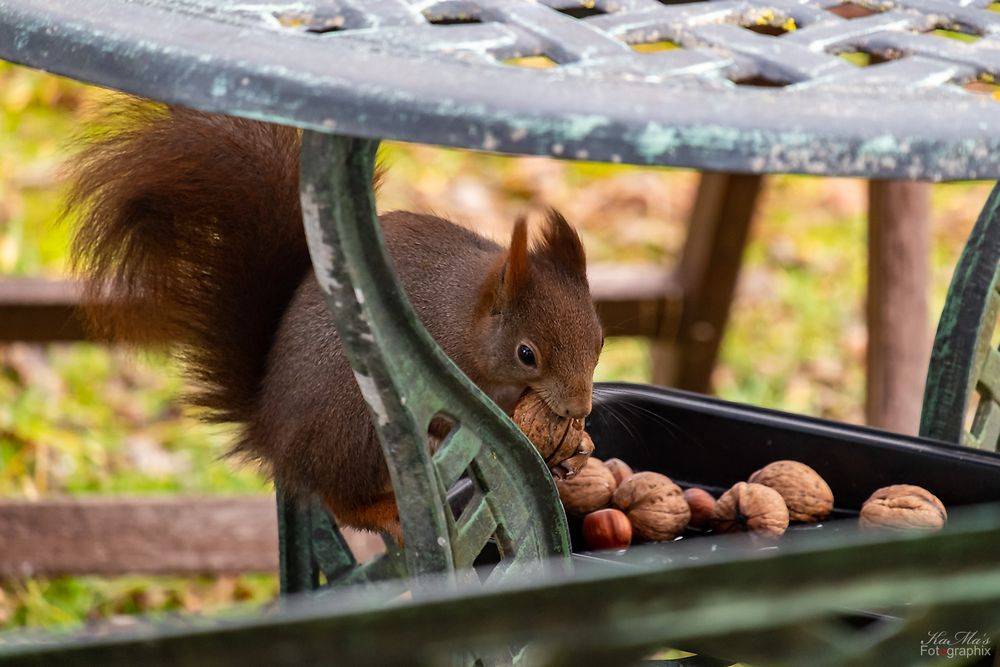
(710, 443)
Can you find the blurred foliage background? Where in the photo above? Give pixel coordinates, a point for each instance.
(84, 419)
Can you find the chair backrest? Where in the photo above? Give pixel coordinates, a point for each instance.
(964, 372)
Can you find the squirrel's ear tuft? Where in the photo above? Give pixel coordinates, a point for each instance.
(562, 245)
(509, 276)
(516, 273)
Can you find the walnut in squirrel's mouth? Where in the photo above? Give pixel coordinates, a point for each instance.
(561, 441)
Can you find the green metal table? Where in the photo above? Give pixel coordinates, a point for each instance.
(757, 87)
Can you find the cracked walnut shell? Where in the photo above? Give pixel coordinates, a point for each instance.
(752, 508)
(654, 505)
(903, 507)
(807, 495)
(589, 490)
(560, 440)
(572, 466)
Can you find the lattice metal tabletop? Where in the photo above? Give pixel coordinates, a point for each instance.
(754, 85)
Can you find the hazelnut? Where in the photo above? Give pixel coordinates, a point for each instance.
(807, 495)
(903, 507)
(753, 508)
(558, 439)
(702, 506)
(607, 529)
(619, 469)
(654, 505)
(589, 490)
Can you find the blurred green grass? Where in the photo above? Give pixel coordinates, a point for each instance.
(85, 419)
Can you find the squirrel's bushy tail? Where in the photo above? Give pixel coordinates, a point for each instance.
(190, 226)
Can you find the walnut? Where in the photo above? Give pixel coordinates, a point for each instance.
(654, 506)
(702, 506)
(753, 508)
(589, 490)
(807, 495)
(559, 440)
(619, 469)
(903, 507)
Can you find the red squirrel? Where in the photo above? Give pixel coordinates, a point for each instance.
(193, 222)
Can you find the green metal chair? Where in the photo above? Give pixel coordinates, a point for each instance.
(964, 372)
(965, 366)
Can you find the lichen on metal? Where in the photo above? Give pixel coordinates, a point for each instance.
(739, 85)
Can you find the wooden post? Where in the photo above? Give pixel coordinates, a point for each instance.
(709, 268)
(897, 311)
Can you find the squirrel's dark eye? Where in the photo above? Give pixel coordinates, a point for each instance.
(526, 355)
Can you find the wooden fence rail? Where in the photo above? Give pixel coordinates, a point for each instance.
(170, 535)
(631, 300)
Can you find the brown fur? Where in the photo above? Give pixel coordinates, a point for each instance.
(197, 217)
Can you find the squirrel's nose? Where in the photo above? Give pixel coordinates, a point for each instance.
(577, 408)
